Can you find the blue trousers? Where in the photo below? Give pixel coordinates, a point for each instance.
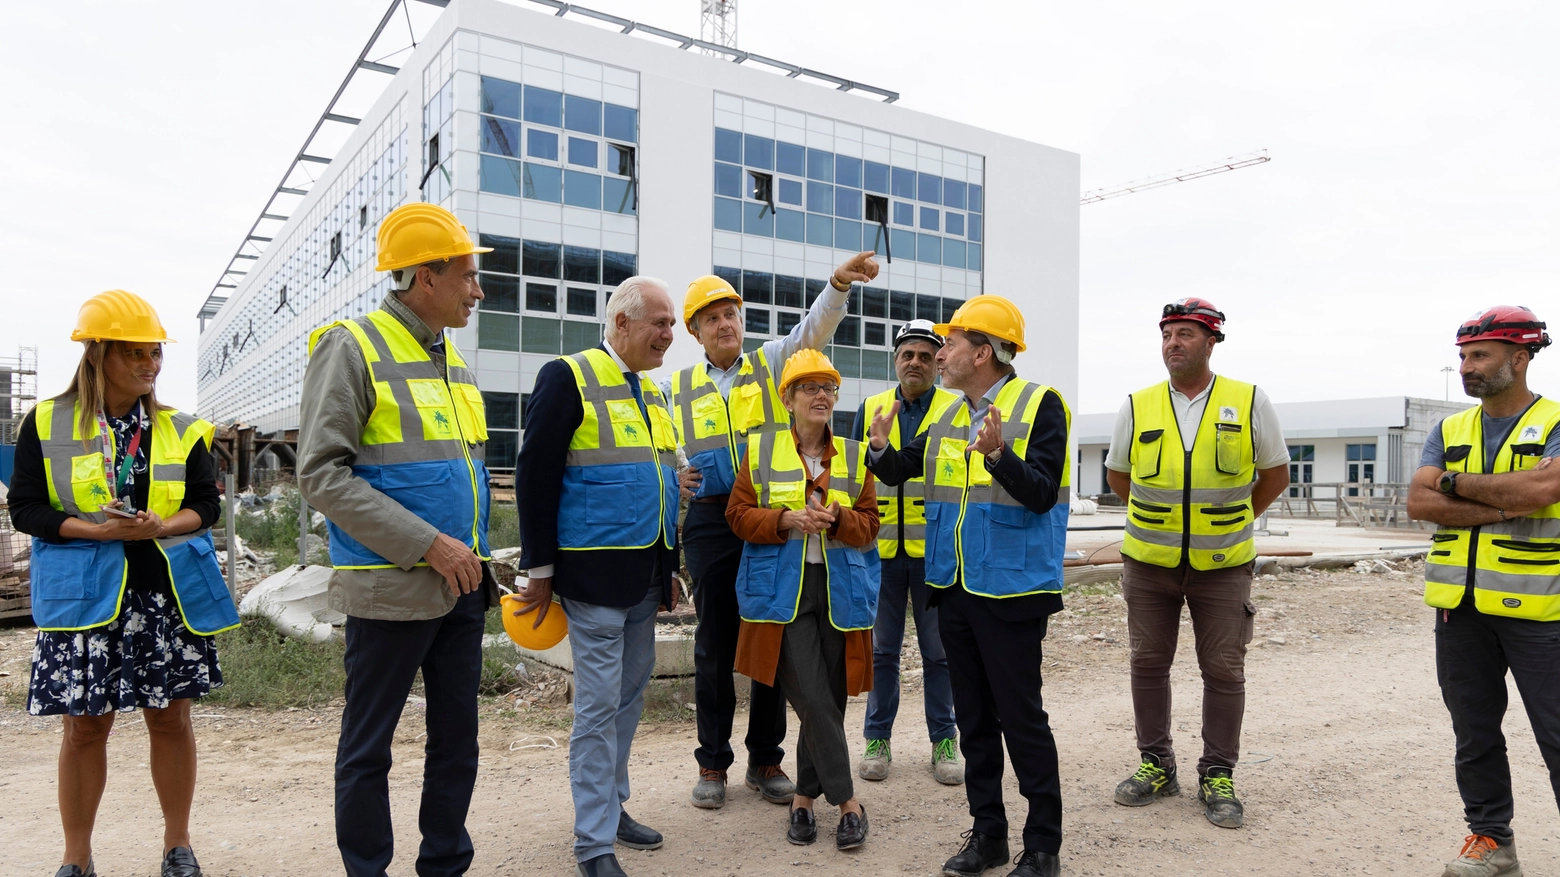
(382, 659)
(904, 580)
(614, 653)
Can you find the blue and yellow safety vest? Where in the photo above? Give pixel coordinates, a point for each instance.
(714, 432)
(903, 512)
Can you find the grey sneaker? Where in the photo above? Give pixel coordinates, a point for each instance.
(1485, 857)
(1217, 792)
(710, 793)
(875, 761)
(1152, 781)
(946, 767)
(770, 782)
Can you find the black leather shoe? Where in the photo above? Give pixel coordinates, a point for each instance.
(980, 851)
(852, 831)
(635, 836)
(601, 866)
(180, 862)
(75, 871)
(803, 829)
(1036, 864)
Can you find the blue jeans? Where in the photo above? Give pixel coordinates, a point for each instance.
(904, 580)
(614, 653)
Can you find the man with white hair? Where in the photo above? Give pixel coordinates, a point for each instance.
(597, 478)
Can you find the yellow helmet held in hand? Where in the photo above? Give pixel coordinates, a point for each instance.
(416, 233)
(706, 291)
(537, 639)
(117, 315)
(989, 314)
(807, 363)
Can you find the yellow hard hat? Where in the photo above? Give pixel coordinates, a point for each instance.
(537, 639)
(807, 363)
(415, 233)
(117, 315)
(706, 291)
(989, 314)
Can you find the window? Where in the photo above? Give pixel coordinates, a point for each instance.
(847, 203)
(502, 449)
(1301, 461)
(949, 305)
(586, 153)
(728, 180)
(541, 260)
(954, 192)
(582, 264)
(503, 410)
(820, 230)
(848, 361)
(975, 227)
(335, 246)
(953, 222)
(788, 291)
(728, 146)
(791, 192)
(582, 302)
(758, 151)
(621, 123)
(543, 183)
(848, 333)
(972, 257)
(541, 144)
(362, 216)
(619, 196)
(814, 289)
(620, 160)
(786, 321)
(543, 106)
(820, 165)
(790, 159)
(505, 256)
(758, 219)
(732, 276)
(579, 336)
(617, 267)
(903, 243)
(499, 176)
(875, 366)
(929, 188)
(791, 225)
(847, 236)
(873, 334)
(928, 248)
(928, 307)
(841, 422)
(582, 114)
(541, 297)
(539, 335)
(874, 301)
(498, 332)
(728, 214)
(901, 306)
(757, 287)
(820, 197)
(581, 189)
(500, 293)
(757, 320)
(875, 177)
(500, 97)
(501, 136)
(876, 209)
(1361, 466)
(847, 171)
(903, 183)
(953, 253)
(761, 187)
(904, 214)
(976, 201)
(929, 217)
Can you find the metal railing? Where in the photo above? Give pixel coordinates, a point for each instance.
(1350, 504)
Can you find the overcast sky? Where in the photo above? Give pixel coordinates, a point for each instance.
(1413, 178)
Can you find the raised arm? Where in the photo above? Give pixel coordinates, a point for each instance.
(818, 324)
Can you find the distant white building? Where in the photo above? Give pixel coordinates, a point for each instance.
(1350, 441)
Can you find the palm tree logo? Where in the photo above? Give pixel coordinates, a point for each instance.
(442, 421)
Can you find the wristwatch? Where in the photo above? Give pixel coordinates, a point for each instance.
(994, 456)
(1448, 483)
(835, 282)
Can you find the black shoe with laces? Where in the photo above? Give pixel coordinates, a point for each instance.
(1032, 863)
(180, 862)
(980, 851)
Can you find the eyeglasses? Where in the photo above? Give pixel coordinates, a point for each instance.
(812, 388)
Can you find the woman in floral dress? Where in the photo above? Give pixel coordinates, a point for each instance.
(118, 493)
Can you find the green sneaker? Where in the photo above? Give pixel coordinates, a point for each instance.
(946, 767)
(875, 761)
(1217, 792)
(1152, 781)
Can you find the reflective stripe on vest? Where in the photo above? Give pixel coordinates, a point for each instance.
(1193, 503)
(1515, 564)
(422, 444)
(910, 526)
(620, 473)
(79, 583)
(769, 579)
(714, 431)
(976, 533)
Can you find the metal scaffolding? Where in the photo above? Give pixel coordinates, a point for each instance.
(18, 391)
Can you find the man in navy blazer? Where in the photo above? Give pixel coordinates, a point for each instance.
(598, 513)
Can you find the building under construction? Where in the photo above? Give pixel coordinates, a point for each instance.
(584, 148)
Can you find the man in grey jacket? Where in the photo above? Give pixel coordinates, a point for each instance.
(390, 449)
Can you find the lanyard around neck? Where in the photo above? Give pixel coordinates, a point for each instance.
(110, 442)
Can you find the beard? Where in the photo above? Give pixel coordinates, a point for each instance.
(1481, 387)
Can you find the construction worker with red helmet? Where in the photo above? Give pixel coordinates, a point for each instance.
(1486, 479)
(1197, 459)
(717, 405)
(996, 503)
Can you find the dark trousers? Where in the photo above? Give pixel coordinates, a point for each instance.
(995, 664)
(812, 674)
(1473, 651)
(904, 581)
(1223, 620)
(714, 553)
(382, 659)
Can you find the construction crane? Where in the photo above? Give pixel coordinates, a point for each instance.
(1229, 164)
(718, 24)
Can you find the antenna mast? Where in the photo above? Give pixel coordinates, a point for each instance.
(718, 24)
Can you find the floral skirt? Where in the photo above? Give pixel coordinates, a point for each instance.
(144, 658)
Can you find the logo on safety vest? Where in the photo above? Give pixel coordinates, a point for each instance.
(1218, 558)
(1529, 434)
(98, 491)
(948, 469)
(1228, 414)
(631, 431)
(1511, 602)
(709, 423)
(442, 421)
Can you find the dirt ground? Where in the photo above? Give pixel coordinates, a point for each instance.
(1347, 769)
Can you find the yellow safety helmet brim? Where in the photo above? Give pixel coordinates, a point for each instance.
(990, 315)
(702, 293)
(519, 627)
(418, 233)
(117, 315)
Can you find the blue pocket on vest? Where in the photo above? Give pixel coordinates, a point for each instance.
(756, 574)
(69, 570)
(1007, 539)
(203, 562)
(610, 494)
(428, 491)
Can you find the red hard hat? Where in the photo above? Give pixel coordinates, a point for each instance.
(1198, 310)
(1513, 324)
